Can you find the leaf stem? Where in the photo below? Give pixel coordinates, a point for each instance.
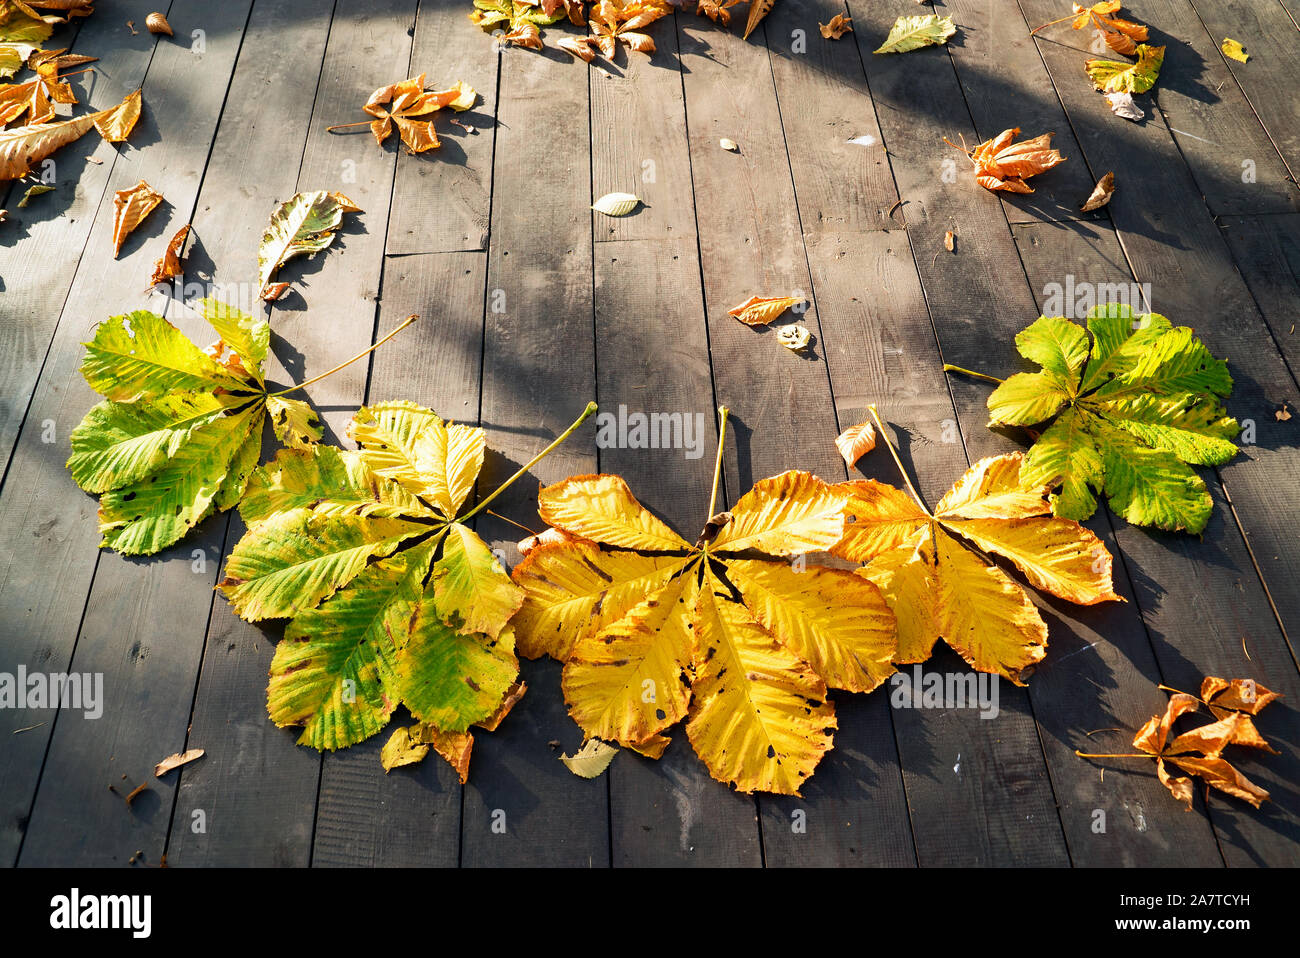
(950, 368)
(344, 126)
(1114, 755)
(884, 434)
(723, 411)
(1052, 23)
(315, 379)
(586, 414)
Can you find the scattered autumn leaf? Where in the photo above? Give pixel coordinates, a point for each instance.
(35, 190)
(37, 97)
(176, 761)
(303, 224)
(520, 22)
(1236, 695)
(731, 146)
(179, 429)
(616, 204)
(855, 442)
(1120, 35)
(1001, 164)
(591, 760)
(23, 146)
(169, 266)
(130, 207)
(1198, 751)
(939, 588)
(22, 31)
(398, 103)
(795, 338)
(620, 21)
(719, 11)
(950, 241)
(912, 33)
(725, 634)
(761, 310)
(1116, 76)
(1122, 105)
(1234, 49)
(1100, 195)
(837, 27)
(1126, 416)
(758, 9)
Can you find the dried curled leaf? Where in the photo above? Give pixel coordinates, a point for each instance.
(725, 633)
(169, 266)
(130, 207)
(620, 21)
(399, 103)
(837, 27)
(761, 310)
(304, 224)
(940, 589)
(31, 191)
(179, 430)
(616, 204)
(177, 760)
(1001, 164)
(1100, 195)
(1237, 695)
(855, 442)
(37, 97)
(1120, 35)
(1127, 415)
(1115, 76)
(392, 600)
(912, 33)
(23, 146)
(1122, 105)
(1208, 740)
(758, 9)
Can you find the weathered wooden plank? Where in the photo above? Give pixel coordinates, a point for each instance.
(841, 184)
(1004, 85)
(1206, 613)
(638, 140)
(442, 199)
(1176, 247)
(1235, 165)
(128, 636)
(1267, 251)
(257, 788)
(44, 243)
(1268, 78)
(652, 357)
(521, 805)
(410, 816)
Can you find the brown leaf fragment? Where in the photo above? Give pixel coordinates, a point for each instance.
(1220, 773)
(1100, 195)
(157, 23)
(950, 241)
(579, 47)
(1001, 164)
(134, 793)
(837, 27)
(176, 761)
(169, 266)
(1283, 414)
(130, 207)
(855, 442)
(1238, 695)
(761, 310)
(274, 291)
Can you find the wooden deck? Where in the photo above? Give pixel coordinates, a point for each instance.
(632, 311)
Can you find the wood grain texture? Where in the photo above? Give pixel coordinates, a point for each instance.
(328, 317)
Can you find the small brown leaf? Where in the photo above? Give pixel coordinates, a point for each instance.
(1239, 695)
(176, 761)
(130, 207)
(274, 291)
(949, 241)
(856, 441)
(838, 26)
(169, 265)
(157, 23)
(1283, 414)
(1101, 194)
